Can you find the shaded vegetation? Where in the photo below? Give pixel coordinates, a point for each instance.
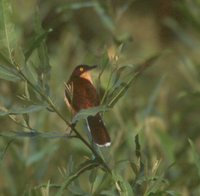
(148, 80)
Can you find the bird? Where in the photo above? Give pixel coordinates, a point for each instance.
(80, 93)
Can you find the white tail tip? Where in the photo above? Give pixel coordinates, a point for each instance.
(104, 145)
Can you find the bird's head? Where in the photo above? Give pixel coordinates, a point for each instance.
(83, 72)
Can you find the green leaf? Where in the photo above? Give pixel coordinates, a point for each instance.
(104, 61)
(123, 187)
(76, 189)
(32, 134)
(30, 72)
(37, 41)
(87, 165)
(42, 67)
(155, 184)
(42, 49)
(196, 156)
(135, 167)
(102, 182)
(70, 166)
(172, 193)
(45, 151)
(24, 110)
(26, 119)
(121, 88)
(7, 33)
(19, 134)
(84, 113)
(92, 176)
(105, 18)
(29, 109)
(119, 72)
(18, 56)
(8, 74)
(168, 145)
(119, 92)
(76, 5)
(180, 33)
(154, 96)
(4, 60)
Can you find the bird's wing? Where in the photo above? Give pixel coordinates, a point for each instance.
(69, 91)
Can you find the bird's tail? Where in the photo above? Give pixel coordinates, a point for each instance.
(98, 130)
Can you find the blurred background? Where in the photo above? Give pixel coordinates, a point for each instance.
(162, 106)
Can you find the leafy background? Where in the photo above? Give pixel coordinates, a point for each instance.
(154, 124)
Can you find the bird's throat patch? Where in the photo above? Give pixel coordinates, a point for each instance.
(87, 76)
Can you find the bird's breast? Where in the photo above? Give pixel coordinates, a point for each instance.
(84, 94)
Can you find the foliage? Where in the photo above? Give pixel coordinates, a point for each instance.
(154, 122)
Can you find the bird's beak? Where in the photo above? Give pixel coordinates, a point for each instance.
(92, 67)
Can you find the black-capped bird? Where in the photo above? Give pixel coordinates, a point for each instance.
(80, 93)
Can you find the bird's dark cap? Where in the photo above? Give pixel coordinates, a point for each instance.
(80, 69)
(86, 67)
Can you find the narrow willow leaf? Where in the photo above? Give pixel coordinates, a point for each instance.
(8, 74)
(172, 193)
(29, 109)
(84, 113)
(26, 91)
(118, 73)
(30, 72)
(26, 119)
(119, 92)
(45, 151)
(103, 65)
(7, 33)
(104, 61)
(43, 67)
(134, 167)
(105, 18)
(189, 70)
(76, 189)
(87, 165)
(154, 96)
(168, 145)
(25, 110)
(37, 41)
(155, 183)
(32, 134)
(4, 60)
(196, 156)
(180, 32)
(8, 134)
(103, 181)
(92, 176)
(42, 49)
(76, 5)
(70, 166)
(45, 185)
(123, 187)
(18, 56)
(122, 90)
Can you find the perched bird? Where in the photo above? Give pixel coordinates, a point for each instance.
(80, 93)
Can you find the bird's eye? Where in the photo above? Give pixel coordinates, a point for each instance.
(81, 69)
